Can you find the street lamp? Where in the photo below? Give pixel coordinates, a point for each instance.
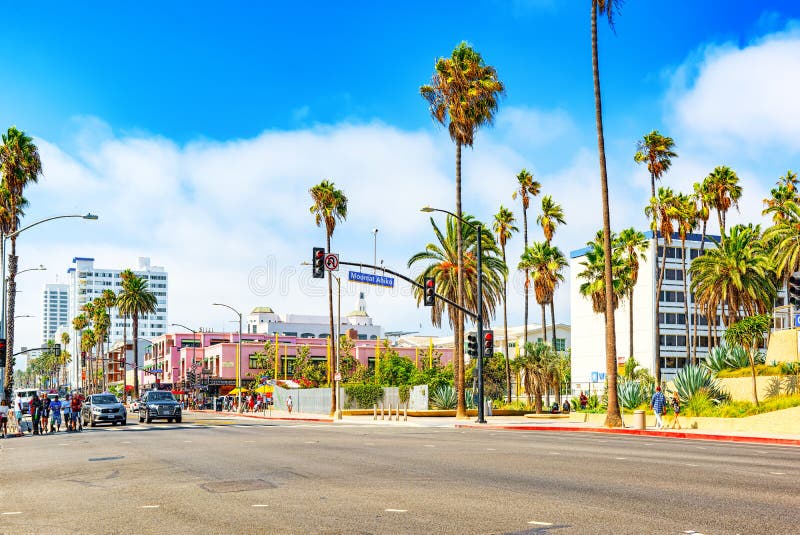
(90, 216)
(194, 357)
(238, 356)
(374, 248)
(40, 268)
(478, 228)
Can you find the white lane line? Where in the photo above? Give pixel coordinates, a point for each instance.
(63, 444)
(259, 505)
(620, 458)
(429, 446)
(535, 523)
(237, 425)
(12, 513)
(253, 442)
(396, 510)
(125, 442)
(311, 441)
(491, 449)
(690, 464)
(554, 453)
(369, 443)
(187, 441)
(648, 444)
(149, 506)
(778, 473)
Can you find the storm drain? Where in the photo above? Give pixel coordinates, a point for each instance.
(241, 485)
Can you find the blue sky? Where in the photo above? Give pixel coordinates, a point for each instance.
(195, 128)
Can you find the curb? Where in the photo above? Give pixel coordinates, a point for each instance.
(258, 417)
(638, 432)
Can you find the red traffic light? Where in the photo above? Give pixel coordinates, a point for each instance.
(488, 337)
(320, 254)
(429, 283)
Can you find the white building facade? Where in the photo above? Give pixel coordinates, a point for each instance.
(264, 320)
(55, 310)
(588, 337)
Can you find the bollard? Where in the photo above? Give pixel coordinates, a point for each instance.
(405, 412)
(374, 411)
(382, 418)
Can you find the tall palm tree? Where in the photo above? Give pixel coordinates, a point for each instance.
(739, 274)
(633, 245)
(723, 185)
(662, 209)
(545, 263)
(109, 298)
(79, 323)
(65, 339)
(593, 274)
(552, 215)
(704, 198)
(686, 220)
(608, 8)
(527, 187)
(463, 95)
(136, 299)
(20, 165)
(657, 152)
(504, 227)
(125, 275)
(329, 206)
(88, 341)
(439, 258)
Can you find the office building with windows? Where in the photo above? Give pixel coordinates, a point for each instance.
(55, 310)
(588, 336)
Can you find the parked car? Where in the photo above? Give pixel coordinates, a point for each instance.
(103, 408)
(135, 405)
(159, 404)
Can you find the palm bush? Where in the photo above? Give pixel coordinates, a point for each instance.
(790, 368)
(444, 397)
(631, 394)
(692, 379)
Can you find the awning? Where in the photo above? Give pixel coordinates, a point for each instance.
(238, 390)
(265, 389)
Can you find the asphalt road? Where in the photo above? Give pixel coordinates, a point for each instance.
(226, 475)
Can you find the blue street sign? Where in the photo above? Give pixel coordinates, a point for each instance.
(595, 377)
(797, 320)
(370, 278)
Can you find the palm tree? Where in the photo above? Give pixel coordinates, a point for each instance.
(686, 219)
(593, 274)
(65, 339)
(532, 362)
(133, 300)
(633, 245)
(527, 188)
(704, 199)
(613, 419)
(657, 151)
(552, 215)
(546, 263)
(109, 301)
(79, 323)
(723, 185)
(739, 274)
(662, 210)
(20, 165)
(125, 275)
(330, 206)
(463, 95)
(440, 259)
(504, 227)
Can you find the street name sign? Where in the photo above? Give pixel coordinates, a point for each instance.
(371, 278)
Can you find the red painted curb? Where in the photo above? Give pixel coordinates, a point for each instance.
(638, 432)
(302, 419)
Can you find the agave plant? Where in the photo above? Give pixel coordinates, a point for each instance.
(444, 397)
(631, 394)
(717, 359)
(693, 379)
(737, 357)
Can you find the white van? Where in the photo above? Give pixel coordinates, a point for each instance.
(27, 393)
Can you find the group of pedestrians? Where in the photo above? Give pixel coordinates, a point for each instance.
(658, 403)
(46, 415)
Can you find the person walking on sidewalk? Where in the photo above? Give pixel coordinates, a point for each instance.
(289, 404)
(676, 410)
(35, 409)
(3, 418)
(18, 413)
(55, 415)
(659, 405)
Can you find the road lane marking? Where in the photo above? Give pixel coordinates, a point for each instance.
(778, 473)
(259, 505)
(253, 442)
(309, 441)
(187, 441)
(125, 442)
(396, 510)
(536, 523)
(554, 453)
(690, 464)
(63, 444)
(620, 458)
(429, 446)
(150, 506)
(12, 513)
(369, 443)
(491, 449)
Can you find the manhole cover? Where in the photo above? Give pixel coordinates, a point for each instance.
(242, 485)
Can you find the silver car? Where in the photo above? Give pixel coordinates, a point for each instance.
(103, 408)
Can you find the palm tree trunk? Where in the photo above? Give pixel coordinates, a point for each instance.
(687, 318)
(461, 408)
(630, 322)
(505, 332)
(333, 338)
(537, 400)
(703, 237)
(544, 325)
(721, 218)
(527, 273)
(613, 418)
(8, 385)
(553, 320)
(658, 308)
(124, 358)
(135, 329)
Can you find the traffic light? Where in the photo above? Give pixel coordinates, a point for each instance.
(793, 288)
(430, 291)
(488, 344)
(472, 345)
(57, 350)
(318, 263)
(2, 352)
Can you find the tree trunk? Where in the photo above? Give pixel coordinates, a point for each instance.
(461, 408)
(630, 323)
(537, 400)
(703, 237)
(124, 358)
(687, 318)
(544, 325)
(658, 307)
(527, 273)
(135, 334)
(613, 418)
(750, 353)
(505, 332)
(12, 294)
(332, 338)
(721, 218)
(553, 320)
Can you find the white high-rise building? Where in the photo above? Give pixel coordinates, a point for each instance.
(87, 282)
(55, 310)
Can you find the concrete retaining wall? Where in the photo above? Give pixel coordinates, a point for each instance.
(741, 388)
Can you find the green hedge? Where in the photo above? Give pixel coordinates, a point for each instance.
(366, 395)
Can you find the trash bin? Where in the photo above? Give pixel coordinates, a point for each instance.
(639, 420)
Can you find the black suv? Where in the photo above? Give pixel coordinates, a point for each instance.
(159, 404)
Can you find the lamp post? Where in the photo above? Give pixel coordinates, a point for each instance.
(337, 375)
(194, 355)
(238, 355)
(374, 248)
(478, 228)
(40, 268)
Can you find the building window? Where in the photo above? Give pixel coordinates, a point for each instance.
(561, 344)
(671, 296)
(673, 340)
(672, 252)
(362, 336)
(672, 274)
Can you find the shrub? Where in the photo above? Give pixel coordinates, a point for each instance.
(737, 357)
(630, 393)
(761, 370)
(790, 368)
(717, 359)
(443, 397)
(699, 404)
(404, 391)
(691, 379)
(791, 385)
(365, 395)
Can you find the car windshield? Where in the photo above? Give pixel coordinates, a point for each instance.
(104, 399)
(160, 396)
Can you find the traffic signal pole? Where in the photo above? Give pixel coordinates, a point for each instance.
(481, 345)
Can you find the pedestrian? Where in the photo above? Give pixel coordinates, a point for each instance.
(583, 400)
(676, 410)
(3, 418)
(289, 404)
(35, 410)
(565, 408)
(18, 413)
(251, 402)
(67, 411)
(75, 410)
(55, 415)
(45, 414)
(659, 405)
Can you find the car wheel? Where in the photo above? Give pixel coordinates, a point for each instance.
(124, 422)
(178, 419)
(141, 418)
(147, 417)
(114, 423)
(92, 423)
(169, 420)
